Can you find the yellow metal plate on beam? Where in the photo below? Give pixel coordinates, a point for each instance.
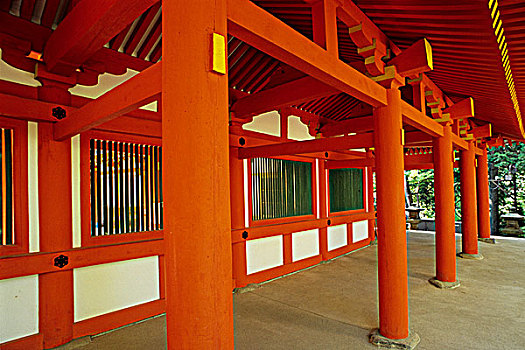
(219, 53)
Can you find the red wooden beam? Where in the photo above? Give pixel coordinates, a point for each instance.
(87, 28)
(260, 29)
(419, 120)
(354, 125)
(482, 131)
(415, 137)
(130, 95)
(459, 142)
(292, 93)
(310, 146)
(24, 108)
(414, 60)
(462, 109)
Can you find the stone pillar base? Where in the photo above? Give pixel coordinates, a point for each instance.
(470, 256)
(443, 285)
(487, 240)
(382, 342)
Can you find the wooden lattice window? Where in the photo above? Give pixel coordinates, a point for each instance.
(346, 189)
(7, 232)
(125, 187)
(280, 188)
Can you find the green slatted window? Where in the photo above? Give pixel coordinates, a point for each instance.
(280, 188)
(346, 189)
(7, 232)
(126, 187)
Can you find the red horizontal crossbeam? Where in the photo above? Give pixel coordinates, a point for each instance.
(310, 146)
(130, 95)
(292, 93)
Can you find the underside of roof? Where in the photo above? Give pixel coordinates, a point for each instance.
(466, 55)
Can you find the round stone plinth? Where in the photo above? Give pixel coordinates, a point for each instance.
(470, 256)
(487, 240)
(443, 285)
(382, 342)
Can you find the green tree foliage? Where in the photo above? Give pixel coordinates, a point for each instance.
(509, 165)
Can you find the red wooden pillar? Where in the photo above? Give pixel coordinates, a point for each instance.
(323, 209)
(445, 216)
(391, 234)
(55, 215)
(469, 220)
(237, 217)
(196, 193)
(370, 199)
(482, 179)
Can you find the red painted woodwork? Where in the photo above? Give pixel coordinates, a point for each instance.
(197, 224)
(21, 225)
(55, 215)
(258, 28)
(414, 60)
(324, 25)
(285, 95)
(29, 342)
(445, 210)
(128, 96)
(354, 125)
(87, 28)
(420, 121)
(112, 320)
(35, 263)
(391, 225)
(482, 180)
(469, 220)
(309, 146)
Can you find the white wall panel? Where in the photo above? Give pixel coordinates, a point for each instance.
(32, 186)
(75, 190)
(105, 288)
(18, 307)
(266, 123)
(337, 236)
(297, 130)
(359, 230)
(264, 253)
(305, 244)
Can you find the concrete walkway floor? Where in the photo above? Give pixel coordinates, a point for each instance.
(334, 305)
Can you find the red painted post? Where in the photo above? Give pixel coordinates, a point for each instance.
(370, 186)
(469, 220)
(237, 217)
(54, 177)
(323, 212)
(197, 223)
(444, 201)
(391, 234)
(483, 195)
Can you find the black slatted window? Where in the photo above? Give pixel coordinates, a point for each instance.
(7, 232)
(126, 188)
(280, 188)
(346, 189)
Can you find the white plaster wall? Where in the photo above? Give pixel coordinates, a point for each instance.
(359, 230)
(305, 244)
(32, 187)
(18, 307)
(337, 236)
(297, 130)
(75, 190)
(105, 288)
(264, 253)
(15, 75)
(266, 123)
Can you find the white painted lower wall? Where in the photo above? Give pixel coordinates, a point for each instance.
(264, 253)
(337, 236)
(359, 230)
(305, 244)
(18, 307)
(105, 288)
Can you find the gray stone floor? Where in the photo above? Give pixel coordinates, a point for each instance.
(333, 306)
